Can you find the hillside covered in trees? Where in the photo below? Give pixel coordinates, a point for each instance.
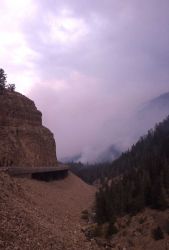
(91, 172)
(138, 179)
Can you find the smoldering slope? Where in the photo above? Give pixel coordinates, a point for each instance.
(87, 126)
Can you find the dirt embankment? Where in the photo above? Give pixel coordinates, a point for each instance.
(39, 215)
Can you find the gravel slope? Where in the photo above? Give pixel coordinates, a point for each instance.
(40, 215)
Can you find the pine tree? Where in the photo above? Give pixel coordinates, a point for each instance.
(2, 81)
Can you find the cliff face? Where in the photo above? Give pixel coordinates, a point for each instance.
(23, 140)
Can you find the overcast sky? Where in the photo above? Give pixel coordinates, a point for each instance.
(88, 65)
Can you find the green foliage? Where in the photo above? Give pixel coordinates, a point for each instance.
(2, 80)
(157, 233)
(3, 83)
(11, 87)
(112, 229)
(142, 178)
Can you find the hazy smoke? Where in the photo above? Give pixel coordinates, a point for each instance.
(90, 66)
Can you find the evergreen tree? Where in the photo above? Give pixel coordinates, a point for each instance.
(2, 81)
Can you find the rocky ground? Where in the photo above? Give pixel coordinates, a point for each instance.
(148, 230)
(41, 215)
(38, 215)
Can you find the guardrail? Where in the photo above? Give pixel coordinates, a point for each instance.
(32, 170)
(40, 173)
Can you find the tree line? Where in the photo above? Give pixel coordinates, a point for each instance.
(3, 83)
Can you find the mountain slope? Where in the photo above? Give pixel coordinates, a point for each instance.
(152, 112)
(132, 204)
(161, 101)
(142, 177)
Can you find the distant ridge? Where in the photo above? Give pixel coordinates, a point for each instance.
(152, 112)
(160, 101)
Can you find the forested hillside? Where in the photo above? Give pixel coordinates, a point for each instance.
(142, 177)
(91, 172)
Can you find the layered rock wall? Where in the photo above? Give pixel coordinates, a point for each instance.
(24, 141)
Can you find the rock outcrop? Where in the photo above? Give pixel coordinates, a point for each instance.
(24, 141)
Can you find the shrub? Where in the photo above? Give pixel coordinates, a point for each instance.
(85, 215)
(142, 220)
(93, 231)
(158, 233)
(166, 227)
(112, 229)
(3, 83)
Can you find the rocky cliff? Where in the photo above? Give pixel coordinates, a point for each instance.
(24, 141)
